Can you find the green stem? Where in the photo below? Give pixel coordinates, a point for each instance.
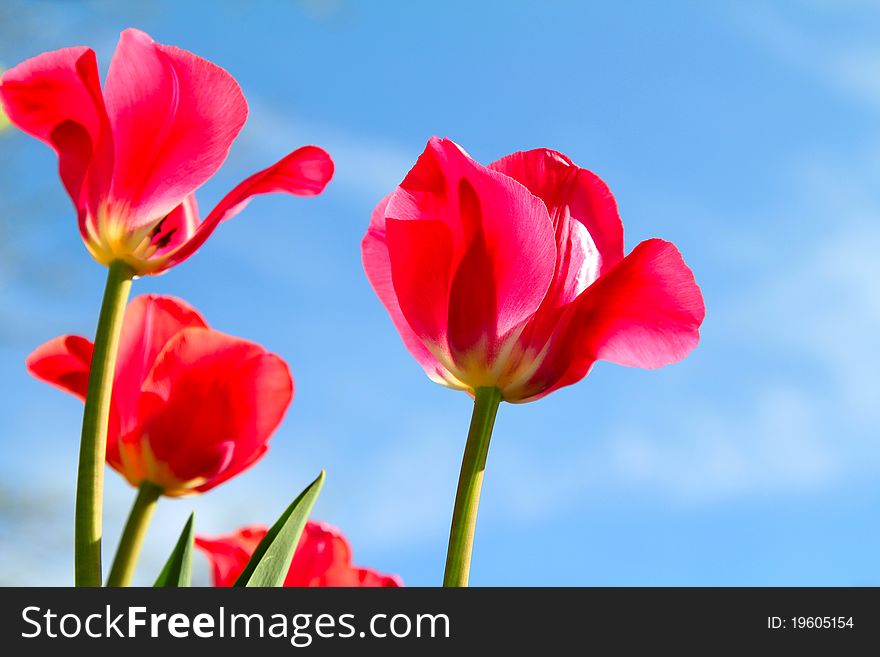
(133, 535)
(470, 481)
(96, 417)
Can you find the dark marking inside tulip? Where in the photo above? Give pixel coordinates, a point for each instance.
(161, 241)
(158, 227)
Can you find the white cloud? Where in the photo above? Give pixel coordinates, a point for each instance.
(848, 64)
(771, 446)
(816, 307)
(367, 165)
(801, 340)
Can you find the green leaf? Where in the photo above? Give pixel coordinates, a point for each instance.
(178, 569)
(270, 562)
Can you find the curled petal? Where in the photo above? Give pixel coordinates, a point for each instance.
(64, 362)
(304, 172)
(646, 312)
(174, 117)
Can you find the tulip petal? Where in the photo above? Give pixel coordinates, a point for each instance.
(367, 578)
(209, 392)
(229, 555)
(646, 312)
(64, 362)
(304, 172)
(569, 190)
(150, 322)
(377, 264)
(243, 462)
(175, 229)
(321, 551)
(174, 117)
(56, 97)
(322, 558)
(472, 252)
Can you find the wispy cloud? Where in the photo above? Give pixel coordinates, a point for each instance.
(367, 165)
(848, 64)
(791, 430)
(811, 411)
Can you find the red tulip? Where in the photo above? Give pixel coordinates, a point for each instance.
(322, 558)
(513, 275)
(191, 407)
(132, 155)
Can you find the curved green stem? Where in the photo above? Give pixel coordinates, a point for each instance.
(93, 445)
(133, 535)
(470, 481)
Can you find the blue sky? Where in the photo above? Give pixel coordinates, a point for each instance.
(746, 133)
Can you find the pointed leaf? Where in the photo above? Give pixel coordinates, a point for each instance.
(270, 562)
(178, 569)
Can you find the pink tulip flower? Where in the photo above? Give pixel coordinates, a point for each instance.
(132, 155)
(322, 558)
(513, 276)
